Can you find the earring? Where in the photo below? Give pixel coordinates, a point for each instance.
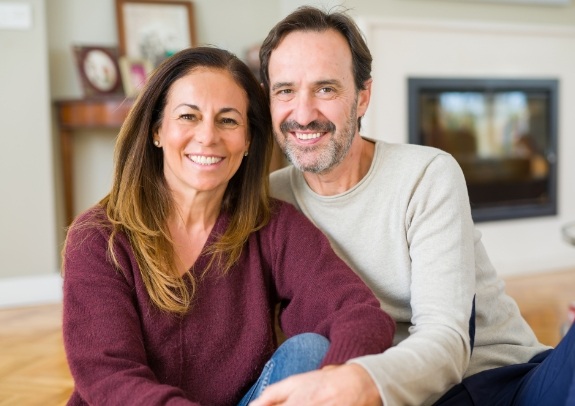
(157, 143)
(246, 153)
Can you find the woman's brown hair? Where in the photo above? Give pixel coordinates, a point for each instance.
(140, 201)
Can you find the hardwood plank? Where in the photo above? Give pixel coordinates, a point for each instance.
(33, 368)
(544, 299)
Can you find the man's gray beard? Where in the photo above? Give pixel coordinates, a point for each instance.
(332, 155)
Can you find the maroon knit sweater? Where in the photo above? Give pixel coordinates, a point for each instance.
(122, 350)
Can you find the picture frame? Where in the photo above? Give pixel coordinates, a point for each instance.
(99, 70)
(135, 73)
(154, 30)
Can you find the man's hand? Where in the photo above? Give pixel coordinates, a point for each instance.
(348, 384)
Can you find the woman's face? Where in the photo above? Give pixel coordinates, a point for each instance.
(204, 132)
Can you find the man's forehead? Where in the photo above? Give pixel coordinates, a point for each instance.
(304, 40)
(319, 56)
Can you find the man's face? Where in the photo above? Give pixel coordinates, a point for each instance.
(314, 102)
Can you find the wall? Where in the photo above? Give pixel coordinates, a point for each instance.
(27, 224)
(86, 22)
(242, 24)
(433, 48)
(35, 71)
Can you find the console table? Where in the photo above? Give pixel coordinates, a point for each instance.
(84, 114)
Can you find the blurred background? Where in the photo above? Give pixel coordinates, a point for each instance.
(408, 39)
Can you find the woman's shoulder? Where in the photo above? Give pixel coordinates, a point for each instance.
(96, 213)
(93, 219)
(91, 227)
(281, 209)
(285, 217)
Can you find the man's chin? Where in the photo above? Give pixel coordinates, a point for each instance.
(308, 167)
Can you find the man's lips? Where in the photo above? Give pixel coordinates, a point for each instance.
(307, 136)
(312, 130)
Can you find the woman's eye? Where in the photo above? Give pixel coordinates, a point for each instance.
(188, 117)
(228, 123)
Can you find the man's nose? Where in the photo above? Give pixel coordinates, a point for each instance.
(305, 109)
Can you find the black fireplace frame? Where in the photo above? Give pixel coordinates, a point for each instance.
(510, 210)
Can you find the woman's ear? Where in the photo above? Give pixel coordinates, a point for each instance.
(156, 138)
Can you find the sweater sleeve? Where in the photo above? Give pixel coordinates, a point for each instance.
(321, 294)
(102, 334)
(439, 233)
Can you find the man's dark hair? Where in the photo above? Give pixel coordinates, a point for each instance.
(308, 18)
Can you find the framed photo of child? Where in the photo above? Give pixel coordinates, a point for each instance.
(98, 70)
(154, 30)
(135, 74)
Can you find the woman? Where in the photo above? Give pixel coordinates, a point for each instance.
(171, 281)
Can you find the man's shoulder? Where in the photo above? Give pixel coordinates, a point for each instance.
(410, 151)
(281, 175)
(281, 183)
(398, 157)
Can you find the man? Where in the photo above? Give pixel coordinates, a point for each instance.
(400, 216)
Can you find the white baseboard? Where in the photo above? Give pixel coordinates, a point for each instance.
(30, 290)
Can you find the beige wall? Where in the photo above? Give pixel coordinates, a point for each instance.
(34, 70)
(434, 48)
(88, 22)
(27, 225)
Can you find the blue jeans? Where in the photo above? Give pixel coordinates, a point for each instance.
(298, 354)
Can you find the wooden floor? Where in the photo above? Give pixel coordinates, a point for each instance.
(33, 370)
(544, 301)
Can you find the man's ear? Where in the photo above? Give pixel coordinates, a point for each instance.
(364, 97)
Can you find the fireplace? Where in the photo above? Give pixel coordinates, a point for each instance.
(502, 132)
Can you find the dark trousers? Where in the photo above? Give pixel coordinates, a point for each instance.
(548, 379)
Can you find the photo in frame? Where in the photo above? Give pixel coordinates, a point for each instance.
(154, 30)
(99, 70)
(135, 73)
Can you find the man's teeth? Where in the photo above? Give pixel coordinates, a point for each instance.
(205, 160)
(302, 136)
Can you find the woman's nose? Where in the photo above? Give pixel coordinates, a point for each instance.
(206, 133)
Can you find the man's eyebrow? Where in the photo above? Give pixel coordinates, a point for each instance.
(281, 84)
(324, 82)
(328, 82)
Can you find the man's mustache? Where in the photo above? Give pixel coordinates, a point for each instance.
(318, 126)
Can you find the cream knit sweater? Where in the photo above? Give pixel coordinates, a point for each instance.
(406, 229)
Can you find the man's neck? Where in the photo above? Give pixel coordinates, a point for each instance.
(347, 173)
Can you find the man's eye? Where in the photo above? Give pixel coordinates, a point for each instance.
(326, 90)
(326, 93)
(284, 94)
